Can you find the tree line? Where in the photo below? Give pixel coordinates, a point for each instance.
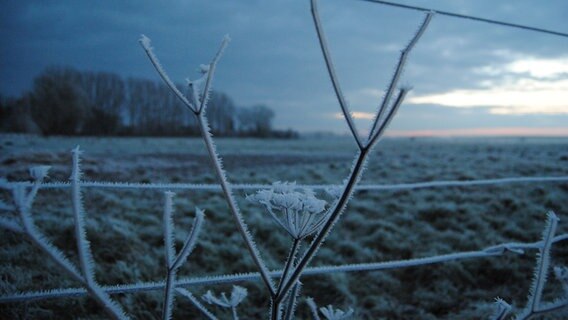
(66, 101)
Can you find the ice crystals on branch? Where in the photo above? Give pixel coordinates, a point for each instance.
(296, 210)
(237, 296)
(334, 191)
(335, 314)
(501, 310)
(328, 312)
(38, 173)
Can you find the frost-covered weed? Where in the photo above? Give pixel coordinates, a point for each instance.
(297, 210)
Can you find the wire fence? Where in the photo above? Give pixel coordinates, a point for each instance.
(362, 187)
(469, 17)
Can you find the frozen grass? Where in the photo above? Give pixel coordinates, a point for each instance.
(378, 226)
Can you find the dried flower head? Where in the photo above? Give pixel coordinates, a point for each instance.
(328, 312)
(335, 314)
(38, 173)
(237, 296)
(296, 210)
(334, 191)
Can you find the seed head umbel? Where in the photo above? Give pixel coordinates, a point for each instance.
(297, 210)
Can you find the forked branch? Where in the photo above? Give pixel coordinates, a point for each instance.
(24, 201)
(398, 72)
(173, 260)
(333, 76)
(361, 158)
(215, 159)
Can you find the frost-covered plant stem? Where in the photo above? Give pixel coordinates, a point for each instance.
(227, 191)
(170, 256)
(357, 169)
(398, 72)
(215, 159)
(364, 149)
(336, 211)
(292, 298)
(38, 239)
(83, 245)
(289, 262)
(24, 204)
(234, 313)
(275, 313)
(332, 75)
(173, 261)
(196, 303)
(533, 306)
(502, 309)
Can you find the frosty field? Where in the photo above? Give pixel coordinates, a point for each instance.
(125, 225)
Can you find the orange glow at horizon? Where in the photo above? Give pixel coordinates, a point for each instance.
(480, 132)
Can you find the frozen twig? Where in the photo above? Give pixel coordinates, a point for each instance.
(83, 245)
(398, 72)
(146, 43)
(238, 294)
(196, 303)
(358, 164)
(210, 72)
(215, 159)
(313, 308)
(293, 301)
(501, 310)
(328, 312)
(533, 305)
(332, 75)
(38, 239)
(24, 202)
(173, 261)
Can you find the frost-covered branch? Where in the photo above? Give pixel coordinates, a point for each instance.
(196, 303)
(360, 160)
(215, 158)
(501, 310)
(24, 201)
(329, 312)
(237, 296)
(535, 306)
(147, 45)
(210, 72)
(396, 77)
(331, 70)
(292, 303)
(173, 261)
(83, 244)
(542, 265)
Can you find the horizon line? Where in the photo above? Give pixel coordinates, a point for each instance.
(555, 132)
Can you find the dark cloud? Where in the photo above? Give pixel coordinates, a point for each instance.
(274, 57)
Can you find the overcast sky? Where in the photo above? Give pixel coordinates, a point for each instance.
(467, 77)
